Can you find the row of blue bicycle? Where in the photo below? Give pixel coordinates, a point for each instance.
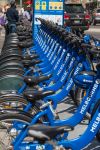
(58, 65)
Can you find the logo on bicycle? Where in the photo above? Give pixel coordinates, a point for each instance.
(95, 123)
(88, 99)
(98, 81)
(40, 147)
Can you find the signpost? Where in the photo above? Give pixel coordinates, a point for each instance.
(48, 10)
(21, 3)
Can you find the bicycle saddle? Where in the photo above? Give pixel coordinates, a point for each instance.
(28, 63)
(31, 81)
(30, 57)
(85, 78)
(21, 38)
(26, 33)
(43, 132)
(34, 95)
(25, 44)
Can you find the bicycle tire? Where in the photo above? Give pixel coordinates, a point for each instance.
(12, 98)
(79, 94)
(18, 98)
(6, 99)
(6, 123)
(15, 116)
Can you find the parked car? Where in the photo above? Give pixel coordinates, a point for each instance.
(96, 16)
(76, 16)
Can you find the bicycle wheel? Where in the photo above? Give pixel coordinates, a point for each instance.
(11, 101)
(7, 131)
(79, 94)
(16, 102)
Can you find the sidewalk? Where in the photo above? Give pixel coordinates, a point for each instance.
(66, 109)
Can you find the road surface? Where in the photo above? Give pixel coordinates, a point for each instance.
(94, 31)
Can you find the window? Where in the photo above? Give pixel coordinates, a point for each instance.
(73, 8)
(98, 11)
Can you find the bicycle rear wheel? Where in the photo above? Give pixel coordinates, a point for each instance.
(11, 101)
(17, 102)
(7, 131)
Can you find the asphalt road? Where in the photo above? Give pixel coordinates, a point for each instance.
(94, 31)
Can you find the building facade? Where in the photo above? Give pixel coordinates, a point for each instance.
(85, 3)
(3, 2)
(94, 3)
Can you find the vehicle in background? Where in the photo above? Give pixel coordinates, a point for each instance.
(90, 12)
(96, 16)
(76, 17)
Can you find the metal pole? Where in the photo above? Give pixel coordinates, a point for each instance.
(21, 3)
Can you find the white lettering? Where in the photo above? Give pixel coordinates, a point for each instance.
(88, 99)
(95, 124)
